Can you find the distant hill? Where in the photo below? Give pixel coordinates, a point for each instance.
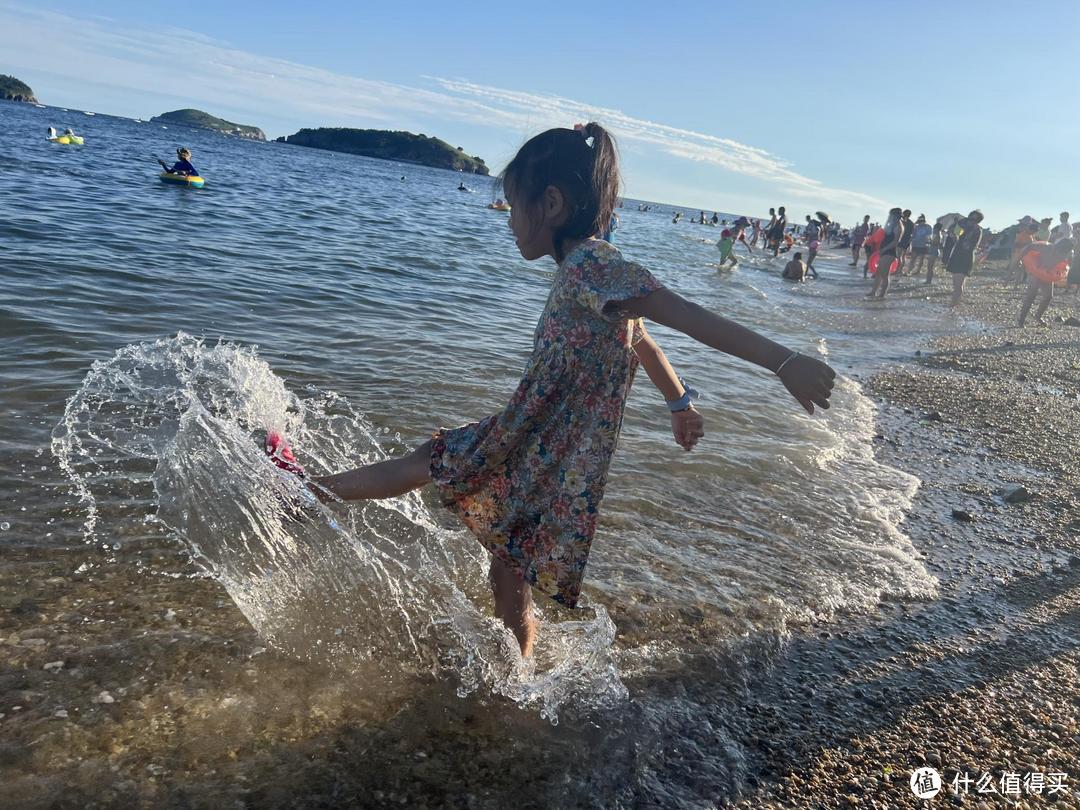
(386, 145)
(200, 120)
(12, 89)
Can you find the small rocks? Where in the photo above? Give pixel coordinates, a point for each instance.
(103, 697)
(53, 666)
(60, 714)
(963, 516)
(1017, 494)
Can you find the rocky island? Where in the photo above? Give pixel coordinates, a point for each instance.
(386, 145)
(201, 120)
(11, 89)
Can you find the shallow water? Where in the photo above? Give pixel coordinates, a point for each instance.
(155, 329)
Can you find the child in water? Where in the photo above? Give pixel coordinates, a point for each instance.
(183, 164)
(528, 481)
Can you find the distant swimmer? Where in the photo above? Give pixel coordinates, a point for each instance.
(183, 164)
(499, 205)
(68, 137)
(795, 270)
(463, 187)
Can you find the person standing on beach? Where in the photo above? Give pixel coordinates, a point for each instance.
(1046, 264)
(904, 245)
(886, 253)
(962, 258)
(1043, 234)
(937, 237)
(755, 233)
(1062, 230)
(1025, 235)
(920, 244)
(528, 481)
(1072, 282)
(858, 236)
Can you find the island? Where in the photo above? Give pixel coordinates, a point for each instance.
(386, 145)
(11, 89)
(201, 120)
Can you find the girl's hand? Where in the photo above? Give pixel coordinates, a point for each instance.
(688, 427)
(809, 380)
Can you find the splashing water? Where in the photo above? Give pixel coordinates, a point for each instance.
(378, 589)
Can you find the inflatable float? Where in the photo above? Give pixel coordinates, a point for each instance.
(191, 181)
(1048, 275)
(875, 259)
(77, 140)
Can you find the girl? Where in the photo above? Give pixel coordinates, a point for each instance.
(1050, 262)
(528, 481)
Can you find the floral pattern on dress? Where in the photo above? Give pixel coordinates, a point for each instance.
(528, 481)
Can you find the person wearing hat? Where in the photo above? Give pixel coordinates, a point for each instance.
(183, 164)
(962, 259)
(920, 244)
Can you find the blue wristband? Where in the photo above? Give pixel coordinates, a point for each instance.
(680, 404)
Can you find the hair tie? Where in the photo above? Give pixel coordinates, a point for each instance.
(589, 139)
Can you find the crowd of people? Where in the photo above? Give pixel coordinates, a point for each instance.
(1036, 252)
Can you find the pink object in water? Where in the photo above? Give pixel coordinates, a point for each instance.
(281, 454)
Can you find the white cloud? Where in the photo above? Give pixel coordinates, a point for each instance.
(194, 69)
(682, 143)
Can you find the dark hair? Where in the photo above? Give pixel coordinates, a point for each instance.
(583, 164)
(1063, 247)
(797, 256)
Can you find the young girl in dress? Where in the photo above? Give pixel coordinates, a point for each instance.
(528, 481)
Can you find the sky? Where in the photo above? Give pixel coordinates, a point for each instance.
(847, 107)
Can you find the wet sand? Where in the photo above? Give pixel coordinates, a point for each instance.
(121, 688)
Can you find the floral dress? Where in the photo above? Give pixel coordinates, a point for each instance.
(528, 481)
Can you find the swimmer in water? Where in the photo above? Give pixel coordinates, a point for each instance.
(183, 164)
(795, 270)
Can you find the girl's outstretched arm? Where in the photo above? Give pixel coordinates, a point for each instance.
(809, 380)
(686, 425)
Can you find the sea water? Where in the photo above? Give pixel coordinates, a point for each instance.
(151, 332)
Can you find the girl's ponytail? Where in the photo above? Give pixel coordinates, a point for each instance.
(605, 175)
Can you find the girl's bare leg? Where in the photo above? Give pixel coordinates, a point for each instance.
(513, 604)
(387, 479)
